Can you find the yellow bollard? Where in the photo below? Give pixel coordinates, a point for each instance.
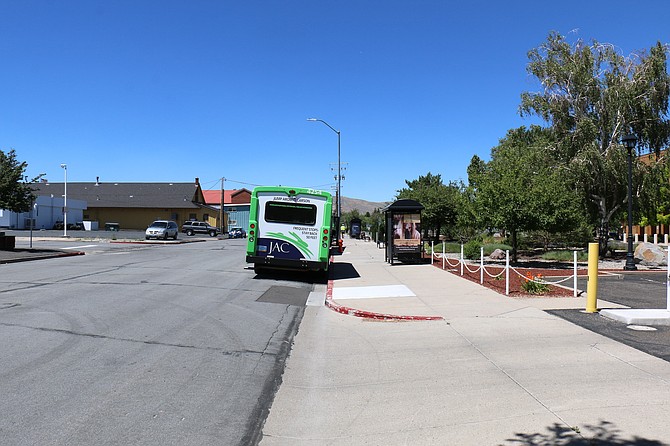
(592, 284)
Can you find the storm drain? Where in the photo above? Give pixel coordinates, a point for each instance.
(285, 295)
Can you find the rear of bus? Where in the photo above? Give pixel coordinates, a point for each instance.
(289, 228)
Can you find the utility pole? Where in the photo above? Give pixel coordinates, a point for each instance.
(64, 167)
(221, 212)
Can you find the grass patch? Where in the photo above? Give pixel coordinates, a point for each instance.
(449, 247)
(565, 256)
(455, 248)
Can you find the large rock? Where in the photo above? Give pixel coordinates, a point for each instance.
(498, 254)
(650, 255)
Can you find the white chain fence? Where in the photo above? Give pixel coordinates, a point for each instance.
(481, 269)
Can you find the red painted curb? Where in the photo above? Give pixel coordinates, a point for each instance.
(370, 314)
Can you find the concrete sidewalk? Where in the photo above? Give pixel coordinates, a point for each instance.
(495, 370)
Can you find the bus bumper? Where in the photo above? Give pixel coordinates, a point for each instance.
(271, 262)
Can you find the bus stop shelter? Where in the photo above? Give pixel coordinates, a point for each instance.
(403, 232)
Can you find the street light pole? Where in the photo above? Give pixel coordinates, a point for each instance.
(629, 141)
(64, 166)
(339, 174)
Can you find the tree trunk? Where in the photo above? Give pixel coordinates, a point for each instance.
(603, 236)
(514, 241)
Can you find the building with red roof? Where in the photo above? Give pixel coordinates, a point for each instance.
(236, 204)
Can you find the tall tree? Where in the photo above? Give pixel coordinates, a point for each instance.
(438, 199)
(522, 188)
(16, 194)
(653, 191)
(591, 96)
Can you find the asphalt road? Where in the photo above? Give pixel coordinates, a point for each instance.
(643, 290)
(143, 345)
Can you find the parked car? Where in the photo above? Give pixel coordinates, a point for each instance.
(75, 226)
(162, 229)
(237, 233)
(199, 227)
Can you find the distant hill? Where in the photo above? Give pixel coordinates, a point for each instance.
(349, 204)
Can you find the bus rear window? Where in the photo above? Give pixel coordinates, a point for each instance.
(292, 213)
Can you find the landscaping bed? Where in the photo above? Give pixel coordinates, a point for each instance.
(518, 284)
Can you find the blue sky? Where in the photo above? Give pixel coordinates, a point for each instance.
(172, 90)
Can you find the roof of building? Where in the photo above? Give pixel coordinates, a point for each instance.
(214, 196)
(126, 195)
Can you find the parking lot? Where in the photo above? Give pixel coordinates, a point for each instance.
(640, 290)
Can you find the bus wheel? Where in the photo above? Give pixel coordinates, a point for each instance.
(320, 276)
(260, 269)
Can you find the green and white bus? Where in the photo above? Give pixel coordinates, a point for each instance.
(289, 228)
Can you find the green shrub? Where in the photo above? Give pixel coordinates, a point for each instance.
(530, 286)
(451, 247)
(472, 250)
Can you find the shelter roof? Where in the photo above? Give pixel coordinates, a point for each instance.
(405, 205)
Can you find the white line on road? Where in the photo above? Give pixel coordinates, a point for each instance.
(81, 247)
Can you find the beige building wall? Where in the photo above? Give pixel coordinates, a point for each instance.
(135, 218)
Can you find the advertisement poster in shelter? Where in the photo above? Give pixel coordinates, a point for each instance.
(407, 233)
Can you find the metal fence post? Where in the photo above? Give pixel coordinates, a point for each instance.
(443, 255)
(667, 281)
(481, 265)
(507, 272)
(574, 281)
